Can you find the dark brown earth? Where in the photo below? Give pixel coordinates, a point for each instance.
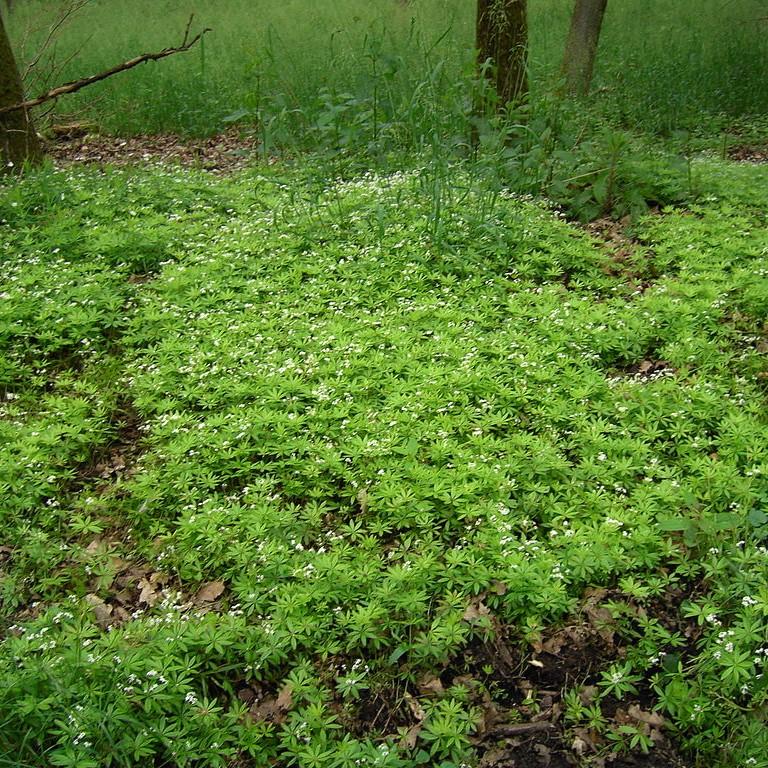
(648, 370)
(517, 689)
(523, 725)
(71, 143)
(117, 459)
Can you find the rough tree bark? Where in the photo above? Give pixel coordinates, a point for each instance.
(18, 140)
(502, 46)
(581, 46)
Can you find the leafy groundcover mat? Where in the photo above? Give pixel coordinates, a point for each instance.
(385, 471)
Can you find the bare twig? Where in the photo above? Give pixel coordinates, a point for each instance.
(52, 67)
(77, 85)
(52, 30)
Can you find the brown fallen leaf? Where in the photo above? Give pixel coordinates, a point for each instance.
(497, 756)
(601, 620)
(267, 711)
(551, 645)
(544, 754)
(96, 545)
(246, 695)
(431, 686)
(362, 500)
(117, 564)
(416, 709)
(503, 659)
(590, 737)
(273, 710)
(653, 719)
(131, 577)
(148, 594)
(579, 746)
(101, 610)
(411, 736)
(209, 592)
(285, 697)
(123, 596)
(476, 610)
(518, 729)
(120, 615)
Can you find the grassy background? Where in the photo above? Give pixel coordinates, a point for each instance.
(305, 71)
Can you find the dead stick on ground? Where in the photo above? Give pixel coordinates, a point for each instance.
(518, 729)
(76, 85)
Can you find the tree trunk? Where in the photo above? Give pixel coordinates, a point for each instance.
(581, 46)
(502, 45)
(18, 140)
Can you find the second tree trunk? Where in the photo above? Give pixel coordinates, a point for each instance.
(502, 43)
(581, 47)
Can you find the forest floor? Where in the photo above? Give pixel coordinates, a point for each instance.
(226, 152)
(231, 150)
(384, 469)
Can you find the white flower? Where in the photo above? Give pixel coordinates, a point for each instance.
(747, 601)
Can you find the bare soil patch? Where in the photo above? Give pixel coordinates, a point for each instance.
(649, 369)
(629, 259)
(224, 153)
(117, 459)
(521, 696)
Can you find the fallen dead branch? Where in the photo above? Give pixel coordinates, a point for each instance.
(77, 85)
(519, 729)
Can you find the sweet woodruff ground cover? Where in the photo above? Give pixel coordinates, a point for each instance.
(274, 451)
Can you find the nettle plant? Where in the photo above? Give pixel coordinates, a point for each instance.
(366, 405)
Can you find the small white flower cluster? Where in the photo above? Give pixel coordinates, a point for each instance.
(191, 699)
(723, 639)
(154, 681)
(697, 710)
(748, 601)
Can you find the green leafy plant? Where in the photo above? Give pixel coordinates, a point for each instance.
(377, 417)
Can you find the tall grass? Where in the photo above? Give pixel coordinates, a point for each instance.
(309, 71)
